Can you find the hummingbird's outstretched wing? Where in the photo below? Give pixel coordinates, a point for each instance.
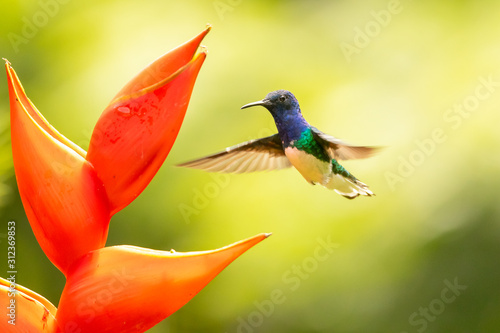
(255, 155)
(340, 150)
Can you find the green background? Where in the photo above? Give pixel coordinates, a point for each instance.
(387, 73)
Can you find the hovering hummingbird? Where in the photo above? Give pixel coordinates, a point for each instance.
(313, 153)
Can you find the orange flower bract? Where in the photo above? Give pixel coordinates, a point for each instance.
(65, 202)
(137, 130)
(26, 311)
(130, 289)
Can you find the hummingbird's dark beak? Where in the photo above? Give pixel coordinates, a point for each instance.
(264, 103)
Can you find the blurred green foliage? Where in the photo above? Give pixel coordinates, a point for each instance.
(376, 72)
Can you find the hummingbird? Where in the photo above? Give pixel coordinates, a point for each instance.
(313, 153)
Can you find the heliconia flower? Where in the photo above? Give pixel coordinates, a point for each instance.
(137, 130)
(65, 202)
(69, 195)
(26, 311)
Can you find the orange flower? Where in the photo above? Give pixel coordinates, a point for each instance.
(69, 197)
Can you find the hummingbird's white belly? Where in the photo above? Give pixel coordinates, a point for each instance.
(312, 169)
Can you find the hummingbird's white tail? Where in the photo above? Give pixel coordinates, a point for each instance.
(347, 187)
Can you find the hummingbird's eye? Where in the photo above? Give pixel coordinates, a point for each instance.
(282, 98)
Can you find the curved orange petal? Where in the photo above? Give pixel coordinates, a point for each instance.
(131, 289)
(64, 200)
(26, 311)
(135, 133)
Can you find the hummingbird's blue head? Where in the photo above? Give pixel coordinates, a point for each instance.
(285, 110)
(281, 103)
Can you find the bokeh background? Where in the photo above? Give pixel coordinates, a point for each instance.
(421, 78)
